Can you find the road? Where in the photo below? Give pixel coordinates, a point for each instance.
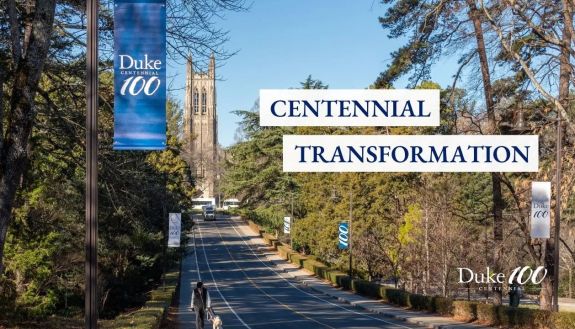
(248, 291)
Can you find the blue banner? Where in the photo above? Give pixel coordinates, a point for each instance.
(139, 75)
(343, 235)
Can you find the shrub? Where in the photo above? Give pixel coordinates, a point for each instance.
(442, 305)
(420, 302)
(366, 288)
(565, 320)
(255, 227)
(297, 259)
(150, 316)
(382, 292)
(465, 311)
(269, 239)
(284, 252)
(316, 267)
(344, 282)
(398, 297)
(487, 313)
(335, 276)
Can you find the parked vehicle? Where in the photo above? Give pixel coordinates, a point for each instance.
(199, 203)
(231, 203)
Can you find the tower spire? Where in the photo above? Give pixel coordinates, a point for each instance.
(212, 67)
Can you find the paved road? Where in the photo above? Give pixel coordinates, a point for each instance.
(248, 291)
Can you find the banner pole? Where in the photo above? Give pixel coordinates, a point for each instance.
(556, 242)
(91, 239)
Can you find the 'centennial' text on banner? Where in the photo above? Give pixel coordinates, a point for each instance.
(139, 74)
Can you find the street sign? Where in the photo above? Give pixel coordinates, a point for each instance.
(175, 229)
(343, 236)
(287, 225)
(540, 210)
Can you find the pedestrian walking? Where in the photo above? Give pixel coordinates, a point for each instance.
(514, 294)
(201, 303)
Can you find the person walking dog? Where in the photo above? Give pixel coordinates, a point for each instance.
(201, 303)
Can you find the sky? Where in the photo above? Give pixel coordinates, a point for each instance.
(281, 42)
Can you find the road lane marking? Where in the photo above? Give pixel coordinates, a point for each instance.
(216, 284)
(307, 293)
(196, 255)
(262, 291)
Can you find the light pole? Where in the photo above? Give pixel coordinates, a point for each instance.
(335, 198)
(91, 238)
(292, 221)
(557, 215)
(520, 127)
(350, 220)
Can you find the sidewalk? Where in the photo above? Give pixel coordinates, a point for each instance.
(307, 278)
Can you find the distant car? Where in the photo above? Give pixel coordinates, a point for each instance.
(209, 213)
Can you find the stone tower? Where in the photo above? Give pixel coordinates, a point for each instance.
(201, 126)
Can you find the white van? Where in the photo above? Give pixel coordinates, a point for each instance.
(231, 203)
(200, 203)
(209, 212)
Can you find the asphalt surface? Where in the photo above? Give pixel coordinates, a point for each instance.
(248, 291)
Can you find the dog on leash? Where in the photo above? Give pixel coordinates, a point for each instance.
(217, 322)
(215, 319)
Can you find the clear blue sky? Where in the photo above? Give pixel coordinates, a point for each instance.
(281, 42)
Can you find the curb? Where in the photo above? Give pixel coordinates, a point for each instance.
(371, 310)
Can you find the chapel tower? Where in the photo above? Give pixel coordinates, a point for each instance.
(201, 126)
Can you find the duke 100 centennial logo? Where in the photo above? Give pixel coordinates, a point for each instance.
(520, 275)
(139, 74)
(138, 69)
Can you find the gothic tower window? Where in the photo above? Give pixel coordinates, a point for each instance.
(204, 99)
(195, 101)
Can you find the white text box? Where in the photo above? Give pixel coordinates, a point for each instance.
(422, 153)
(349, 107)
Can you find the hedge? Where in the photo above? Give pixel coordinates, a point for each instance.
(151, 315)
(255, 227)
(493, 315)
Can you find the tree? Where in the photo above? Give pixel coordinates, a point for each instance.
(254, 171)
(30, 50)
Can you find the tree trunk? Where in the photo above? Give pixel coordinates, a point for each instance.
(545, 296)
(28, 69)
(498, 204)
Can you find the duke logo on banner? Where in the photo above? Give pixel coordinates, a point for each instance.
(540, 210)
(343, 236)
(139, 74)
(287, 225)
(175, 229)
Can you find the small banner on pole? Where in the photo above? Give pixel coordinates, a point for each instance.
(287, 225)
(343, 236)
(540, 210)
(175, 229)
(139, 74)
